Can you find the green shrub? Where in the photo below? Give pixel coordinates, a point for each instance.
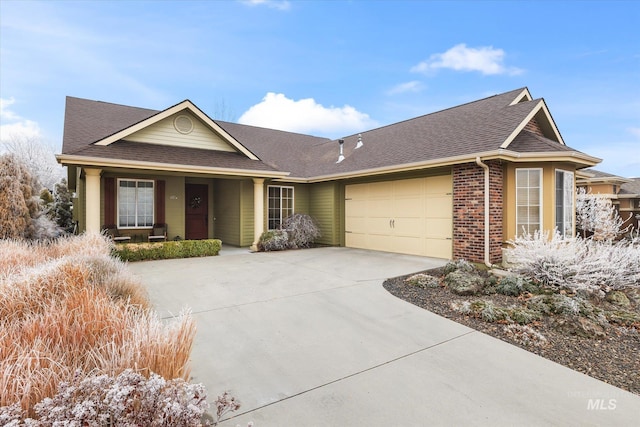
(167, 250)
(422, 280)
(274, 240)
(515, 285)
(460, 264)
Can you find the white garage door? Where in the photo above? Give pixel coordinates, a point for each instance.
(409, 216)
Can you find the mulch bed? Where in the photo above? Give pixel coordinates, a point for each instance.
(614, 359)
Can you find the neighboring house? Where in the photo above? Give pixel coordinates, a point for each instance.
(623, 192)
(414, 187)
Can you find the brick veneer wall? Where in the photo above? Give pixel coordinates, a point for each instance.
(468, 211)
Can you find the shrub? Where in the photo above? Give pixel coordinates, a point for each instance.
(461, 282)
(525, 335)
(302, 230)
(167, 250)
(422, 280)
(274, 240)
(576, 263)
(126, 399)
(515, 285)
(460, 264)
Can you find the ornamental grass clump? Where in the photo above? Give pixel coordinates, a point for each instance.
(68, 307)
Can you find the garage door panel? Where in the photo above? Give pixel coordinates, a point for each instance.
(356, 240)
(378, 225)
(439, 248)
(408, 245)
(409, 226)
(408, 188)
(407, 207)
(356, 191)
(440, 228)
(379, 207)
(439, 207)
(357, 224)
(439, 184)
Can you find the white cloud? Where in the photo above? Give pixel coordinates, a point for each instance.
(273, 4)
(486, 60)
(13, 126)
(412, 86)
(634, 131)
(276, 111)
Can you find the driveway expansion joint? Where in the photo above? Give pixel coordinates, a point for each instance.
(371, 368)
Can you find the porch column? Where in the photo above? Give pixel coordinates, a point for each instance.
(92, 199)
(258, 211)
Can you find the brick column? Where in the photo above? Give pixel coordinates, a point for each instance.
(468, 211)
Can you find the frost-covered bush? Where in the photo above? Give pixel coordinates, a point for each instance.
(21, 212)
(128, 399)
(597, 217)
(422, 280)
(576, 263)
(460, 264)
(274, 240)
(302, 230)
(525, 335)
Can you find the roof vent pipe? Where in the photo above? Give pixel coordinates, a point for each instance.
(341, 156)
(359, 144)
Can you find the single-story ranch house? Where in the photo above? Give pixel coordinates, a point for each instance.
(457, 183)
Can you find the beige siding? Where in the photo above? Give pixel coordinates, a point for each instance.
(324, 208)
(165, 133)
(227, 211)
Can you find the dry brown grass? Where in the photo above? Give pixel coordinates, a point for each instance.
(68, 307)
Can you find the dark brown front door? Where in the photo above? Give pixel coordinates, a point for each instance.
(196, 212)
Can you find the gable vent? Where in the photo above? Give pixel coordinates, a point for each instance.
(183, 124)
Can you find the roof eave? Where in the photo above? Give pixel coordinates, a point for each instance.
(582, 159)
(84, 161)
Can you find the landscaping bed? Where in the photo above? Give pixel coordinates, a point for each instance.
(596, 334)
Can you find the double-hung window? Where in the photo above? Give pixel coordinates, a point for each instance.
(135, 203)
(280, 200)
(564, 202)
(528, 201)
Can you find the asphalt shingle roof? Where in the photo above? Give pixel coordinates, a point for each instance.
(475, 127)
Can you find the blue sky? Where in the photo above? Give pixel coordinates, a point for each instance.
(329, 68)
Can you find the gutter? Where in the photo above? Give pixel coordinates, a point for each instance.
(487, 261)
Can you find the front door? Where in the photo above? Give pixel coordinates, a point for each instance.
(196, 212)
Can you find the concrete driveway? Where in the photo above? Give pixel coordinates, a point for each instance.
(311, 338)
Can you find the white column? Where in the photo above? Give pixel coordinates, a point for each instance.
(92, 199)
(258, 211)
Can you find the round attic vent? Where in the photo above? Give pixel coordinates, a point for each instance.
(183, 124)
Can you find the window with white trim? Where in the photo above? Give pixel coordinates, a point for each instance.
(528, 201)
(280, 205)
(565, 206)
(135, 203)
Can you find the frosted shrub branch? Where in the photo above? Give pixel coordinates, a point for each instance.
(576, 263)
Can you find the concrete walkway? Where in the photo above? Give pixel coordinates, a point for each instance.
(311, 338)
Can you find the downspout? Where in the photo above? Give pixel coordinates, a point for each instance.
(487, 262)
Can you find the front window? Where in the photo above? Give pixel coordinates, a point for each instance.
(564, 202)
(280, 205)
(135, 203)
(528, 201)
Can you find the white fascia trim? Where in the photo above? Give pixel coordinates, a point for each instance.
(508, 155)
(540, 106)
(184, 105)
(165, 167)
(525, 94)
